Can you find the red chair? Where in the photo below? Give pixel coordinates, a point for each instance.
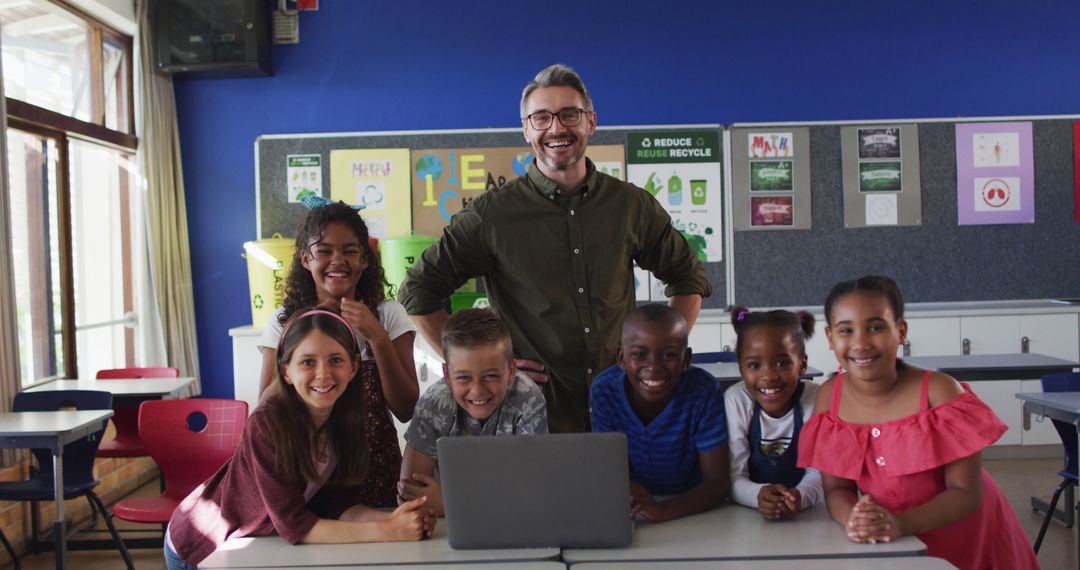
(126, 418)
(189, 439)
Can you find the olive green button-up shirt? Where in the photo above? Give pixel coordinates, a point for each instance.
(558, 267)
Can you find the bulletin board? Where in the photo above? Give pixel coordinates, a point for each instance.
(676, 178)
(937, 260)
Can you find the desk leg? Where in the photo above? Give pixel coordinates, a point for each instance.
(59, 532)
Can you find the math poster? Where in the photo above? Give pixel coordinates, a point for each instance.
(880, 174)
(445, 179)
(377, 179)
(1076, 170)
(995, 173)
(681, 169)
(770, 176)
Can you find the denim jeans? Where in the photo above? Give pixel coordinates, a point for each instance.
(174, 562)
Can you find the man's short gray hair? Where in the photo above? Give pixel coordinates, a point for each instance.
(557, 75)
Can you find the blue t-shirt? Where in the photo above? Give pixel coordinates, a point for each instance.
(664, 453)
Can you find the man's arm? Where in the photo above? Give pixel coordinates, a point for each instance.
(430, 327)
(688, 305)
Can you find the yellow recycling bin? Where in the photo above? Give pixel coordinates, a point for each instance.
(399, 254)
(269, 261)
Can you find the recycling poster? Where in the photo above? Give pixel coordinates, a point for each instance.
(681, 169)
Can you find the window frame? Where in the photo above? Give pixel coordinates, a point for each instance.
(63, 128)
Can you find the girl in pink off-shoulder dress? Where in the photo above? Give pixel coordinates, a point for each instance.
(899, 447)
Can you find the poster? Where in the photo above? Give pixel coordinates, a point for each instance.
(770, 177)
(445, 179)
(1076, 171)
(681, 169)
(772, 211)
(995, 173)
(304, 173)
(377, 179)
(880, 175)
(771, 145)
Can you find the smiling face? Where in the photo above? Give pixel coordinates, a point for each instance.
(336, 262)
(654, 356)
(319, 370)
(771, 363)
(558, 148)
(478, 377)
(865, 335)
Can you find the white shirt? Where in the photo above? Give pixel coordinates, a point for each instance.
(392, 315)
(739, 409)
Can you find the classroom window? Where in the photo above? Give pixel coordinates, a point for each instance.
(67, 81)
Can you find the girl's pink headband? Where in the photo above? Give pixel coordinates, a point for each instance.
(281, 341)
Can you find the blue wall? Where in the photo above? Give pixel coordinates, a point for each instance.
(375, 65)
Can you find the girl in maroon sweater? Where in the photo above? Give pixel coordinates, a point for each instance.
(301, 458)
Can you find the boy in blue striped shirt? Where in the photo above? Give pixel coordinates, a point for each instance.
(672, 414)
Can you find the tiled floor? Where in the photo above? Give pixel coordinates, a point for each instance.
(1018, 478)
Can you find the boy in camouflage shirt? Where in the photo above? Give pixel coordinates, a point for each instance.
(482, 394)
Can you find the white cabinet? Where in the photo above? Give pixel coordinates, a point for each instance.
(991, 335)
(1052, 335)
(705, 337)
(247, 364)
(1000, 395)
(934, 336)
(818, 354)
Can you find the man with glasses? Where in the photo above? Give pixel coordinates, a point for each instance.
(555, 248)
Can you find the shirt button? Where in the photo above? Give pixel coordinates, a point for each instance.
(576, 250)
(875, 432)
(571, 212)
(880, 461)
(580, 290)
(589, 371)
(586, 329)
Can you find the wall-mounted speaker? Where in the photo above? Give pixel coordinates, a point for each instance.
(213, 38)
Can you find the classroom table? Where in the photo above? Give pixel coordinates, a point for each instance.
(891, 563)
(458, 566)
(728, 372)
(735, 532)
(274, 552)
(1062, 406)
(976, 367)
(127, 391)
(51, 430)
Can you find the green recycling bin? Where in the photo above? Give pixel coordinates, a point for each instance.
(399, 254)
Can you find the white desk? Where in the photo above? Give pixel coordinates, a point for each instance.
(458, 566)
(1062, 406)
(273, 552)
(976, 367)
(138, 389)
(51, 430)
(891, 563)
(734, 532)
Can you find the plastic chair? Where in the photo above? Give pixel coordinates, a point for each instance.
(187, 450)
(1068, 382)
(126, 418)
(707, 357)
(78, 462)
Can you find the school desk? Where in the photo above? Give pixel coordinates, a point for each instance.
(897, 563)
(1062, 406)
(458, 566)
(273, 552)
(734, 532)
(977, 367)
(127, 391)
(51, 430)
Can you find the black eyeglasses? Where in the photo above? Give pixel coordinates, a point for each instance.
(569, 117)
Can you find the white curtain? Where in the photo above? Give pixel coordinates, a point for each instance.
(9, 328)
(168, 284)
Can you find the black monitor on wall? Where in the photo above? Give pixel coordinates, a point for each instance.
(213, 38)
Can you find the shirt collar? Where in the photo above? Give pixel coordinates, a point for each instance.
(548, 188)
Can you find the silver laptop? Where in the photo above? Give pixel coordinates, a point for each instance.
(534, 491)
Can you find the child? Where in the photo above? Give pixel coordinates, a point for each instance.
(771, 348)
(672, 415)
(907, 440)
(482, 395)
(335, 266)
(302, 453)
